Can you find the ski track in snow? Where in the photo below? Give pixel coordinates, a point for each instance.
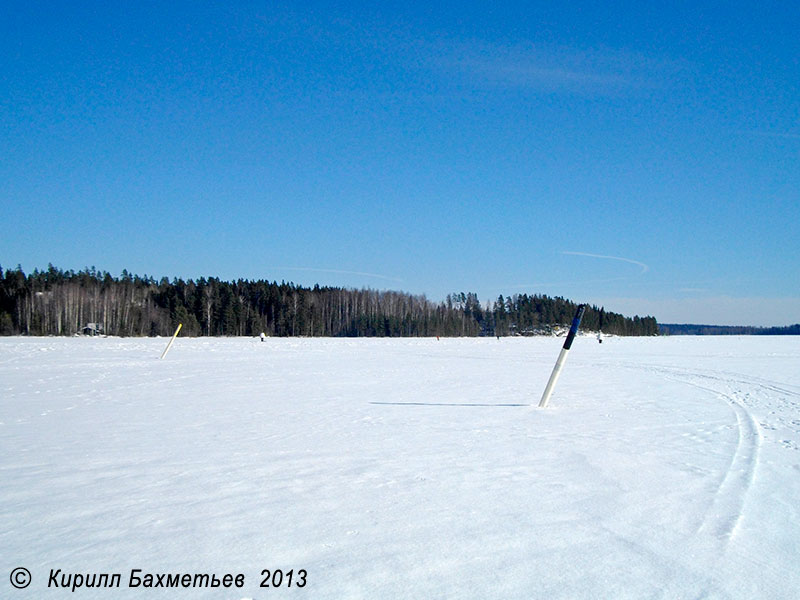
(727, 509)
(779, 406)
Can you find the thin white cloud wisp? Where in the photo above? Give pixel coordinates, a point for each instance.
(644, 267)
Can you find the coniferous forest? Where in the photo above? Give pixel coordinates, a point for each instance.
(57, 302)
(692, 329)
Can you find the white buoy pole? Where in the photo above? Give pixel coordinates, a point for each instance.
(169, 345)
(562, 357)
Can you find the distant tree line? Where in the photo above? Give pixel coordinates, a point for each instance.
(689, 329)
(57, 302)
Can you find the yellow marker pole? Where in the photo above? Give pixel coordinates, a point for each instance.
(163, 354)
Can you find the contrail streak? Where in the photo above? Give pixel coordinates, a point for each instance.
(644, 267)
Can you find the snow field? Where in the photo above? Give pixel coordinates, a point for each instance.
(405, 468)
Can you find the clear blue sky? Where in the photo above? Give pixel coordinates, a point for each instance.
(645, 158)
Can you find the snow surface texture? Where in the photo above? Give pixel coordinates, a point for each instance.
(405, 468)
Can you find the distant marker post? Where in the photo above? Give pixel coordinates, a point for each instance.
(562, 357)
(169, 345)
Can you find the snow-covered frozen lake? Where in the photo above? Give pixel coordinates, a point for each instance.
(404, 468)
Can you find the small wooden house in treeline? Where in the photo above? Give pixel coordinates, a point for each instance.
(92, 329)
